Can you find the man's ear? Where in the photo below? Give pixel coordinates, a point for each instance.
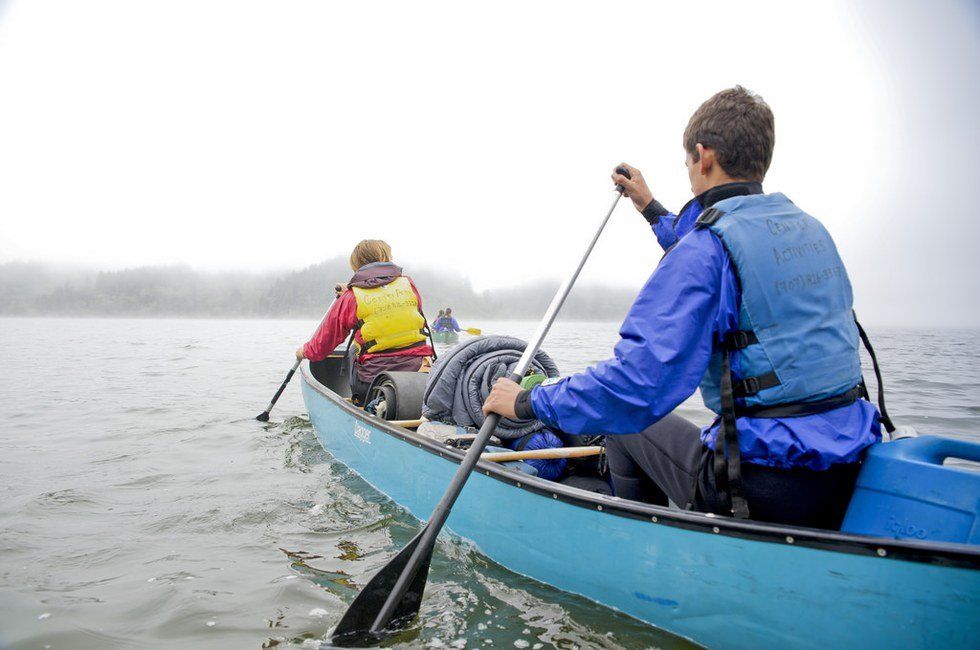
(706, 159)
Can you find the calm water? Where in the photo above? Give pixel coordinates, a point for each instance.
(141, 505)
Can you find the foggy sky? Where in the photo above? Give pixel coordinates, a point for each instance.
(261, 135)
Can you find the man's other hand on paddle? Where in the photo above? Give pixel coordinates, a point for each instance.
(635, 187)
(501, 399)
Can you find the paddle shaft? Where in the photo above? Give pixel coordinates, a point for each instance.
(441, 512)
(264, 415)
(542, 454)
(282, 386)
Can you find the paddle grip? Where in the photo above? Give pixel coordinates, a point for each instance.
(622, 171)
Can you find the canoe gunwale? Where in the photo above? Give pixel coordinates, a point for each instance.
(944, 554)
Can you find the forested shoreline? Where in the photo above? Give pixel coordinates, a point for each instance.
(36, 289)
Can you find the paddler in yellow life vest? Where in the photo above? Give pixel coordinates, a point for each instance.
(383, 308)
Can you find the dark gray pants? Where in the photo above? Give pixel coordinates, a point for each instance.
(668, 461)
(661, 462)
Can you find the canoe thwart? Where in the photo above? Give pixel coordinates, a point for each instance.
(408, 424)
(542, 454)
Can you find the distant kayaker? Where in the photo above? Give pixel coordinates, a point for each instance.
(755, 285)
(445, 322)
(383, 308)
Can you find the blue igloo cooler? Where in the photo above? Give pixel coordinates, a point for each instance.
(904, 491)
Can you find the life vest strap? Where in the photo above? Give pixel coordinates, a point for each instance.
(708, 218)
(739, 340)
(367, 346)
(727, 455)
(886, 421)
(752, 385)
(799, 409)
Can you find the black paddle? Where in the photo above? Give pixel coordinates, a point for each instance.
(264, 415)
(395, 592)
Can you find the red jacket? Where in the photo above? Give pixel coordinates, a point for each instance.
(338, 324)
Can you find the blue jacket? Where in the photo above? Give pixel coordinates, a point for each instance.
(692, 300)
(444, 324)
(670, 227)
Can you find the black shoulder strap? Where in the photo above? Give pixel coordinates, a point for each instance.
(885, 420)
(728, 467)
(350, 340)
(427, 331)
(708, 218)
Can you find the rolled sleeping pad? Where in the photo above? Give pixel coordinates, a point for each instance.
(461, 379)
(401, 394)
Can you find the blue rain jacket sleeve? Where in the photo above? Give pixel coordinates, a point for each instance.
(662, 354)
(670, 227)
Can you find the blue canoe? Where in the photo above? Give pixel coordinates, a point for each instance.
(715, 580)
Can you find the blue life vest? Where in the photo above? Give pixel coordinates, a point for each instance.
(797, 340)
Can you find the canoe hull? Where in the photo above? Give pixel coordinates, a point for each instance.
(447, 337)
(718, 589)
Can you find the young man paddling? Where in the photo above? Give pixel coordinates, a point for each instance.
(752, 304)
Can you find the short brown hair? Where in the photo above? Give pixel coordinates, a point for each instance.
(739, 126)
(368, 251)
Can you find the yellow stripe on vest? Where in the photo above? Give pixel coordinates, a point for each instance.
(390, 316)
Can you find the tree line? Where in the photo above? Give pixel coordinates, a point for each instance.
(35, 289)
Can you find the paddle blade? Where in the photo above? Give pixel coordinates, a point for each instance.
(354, 628)
(475, 331)
(263, 416)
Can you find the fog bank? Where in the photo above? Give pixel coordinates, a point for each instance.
(35, 289)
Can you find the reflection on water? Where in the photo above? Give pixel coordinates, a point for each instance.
(140, 503)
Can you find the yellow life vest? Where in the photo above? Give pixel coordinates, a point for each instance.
(388, 316)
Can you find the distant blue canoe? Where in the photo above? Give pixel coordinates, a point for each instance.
(715, 580)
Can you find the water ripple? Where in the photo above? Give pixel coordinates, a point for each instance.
(143, 506)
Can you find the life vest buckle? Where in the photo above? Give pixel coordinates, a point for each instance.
(740, 339)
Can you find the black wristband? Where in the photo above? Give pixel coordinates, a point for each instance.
(522, 407)
(654, 211)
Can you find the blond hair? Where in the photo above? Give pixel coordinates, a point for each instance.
(368, 251)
